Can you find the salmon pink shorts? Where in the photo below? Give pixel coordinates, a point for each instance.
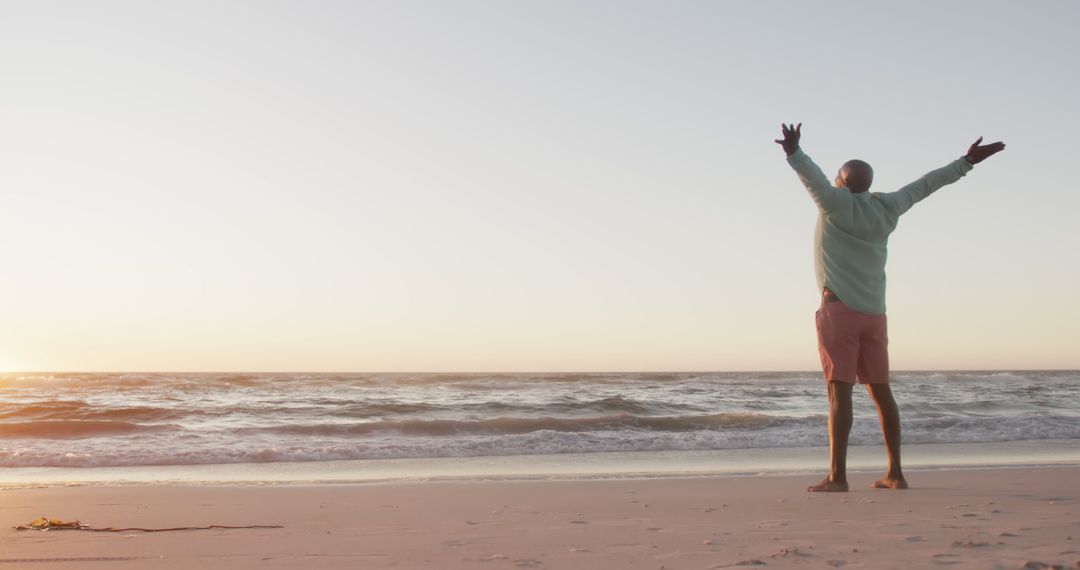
(852, 345)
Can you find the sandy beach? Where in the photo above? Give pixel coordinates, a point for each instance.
(547, 285)
(974, 518)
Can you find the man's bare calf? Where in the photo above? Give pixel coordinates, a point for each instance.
(889, 414)
(840, 418)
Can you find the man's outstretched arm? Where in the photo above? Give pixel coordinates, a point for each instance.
(821, 190)
(909, 195)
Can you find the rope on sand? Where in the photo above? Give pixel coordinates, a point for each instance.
(45, 523)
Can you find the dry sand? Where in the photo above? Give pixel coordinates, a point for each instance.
(988, 518)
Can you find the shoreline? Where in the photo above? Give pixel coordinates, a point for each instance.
(986, 518)
(573, 466)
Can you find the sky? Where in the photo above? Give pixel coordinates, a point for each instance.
(521, 186)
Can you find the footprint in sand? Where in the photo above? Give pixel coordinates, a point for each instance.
(969, 544)
(750, 562)
(483, 523)
(1039, 565)
(945, 559)
(794, 551)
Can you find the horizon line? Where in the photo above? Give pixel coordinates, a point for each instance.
(644, 371)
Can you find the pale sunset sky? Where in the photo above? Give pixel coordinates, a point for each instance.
(521, 186)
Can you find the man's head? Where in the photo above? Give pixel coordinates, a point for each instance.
(855, 175)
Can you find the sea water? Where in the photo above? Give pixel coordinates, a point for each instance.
(357, 426)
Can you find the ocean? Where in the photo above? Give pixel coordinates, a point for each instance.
(60, 423)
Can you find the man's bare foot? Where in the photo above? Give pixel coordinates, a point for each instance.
(890, 483)
(829, 486)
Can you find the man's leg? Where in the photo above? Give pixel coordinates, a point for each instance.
(839, 430)
(890, 428)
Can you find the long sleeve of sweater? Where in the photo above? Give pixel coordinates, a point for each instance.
(906, 197)
(821, 190)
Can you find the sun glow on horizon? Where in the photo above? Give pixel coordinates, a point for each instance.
(9, 365)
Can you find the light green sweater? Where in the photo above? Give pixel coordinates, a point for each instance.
(852, 236)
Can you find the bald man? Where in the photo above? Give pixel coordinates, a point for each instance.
(850, 248)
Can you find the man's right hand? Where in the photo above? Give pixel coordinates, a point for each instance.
(790, 142)
(977, 153)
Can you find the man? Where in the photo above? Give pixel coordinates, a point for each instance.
(850, 247)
